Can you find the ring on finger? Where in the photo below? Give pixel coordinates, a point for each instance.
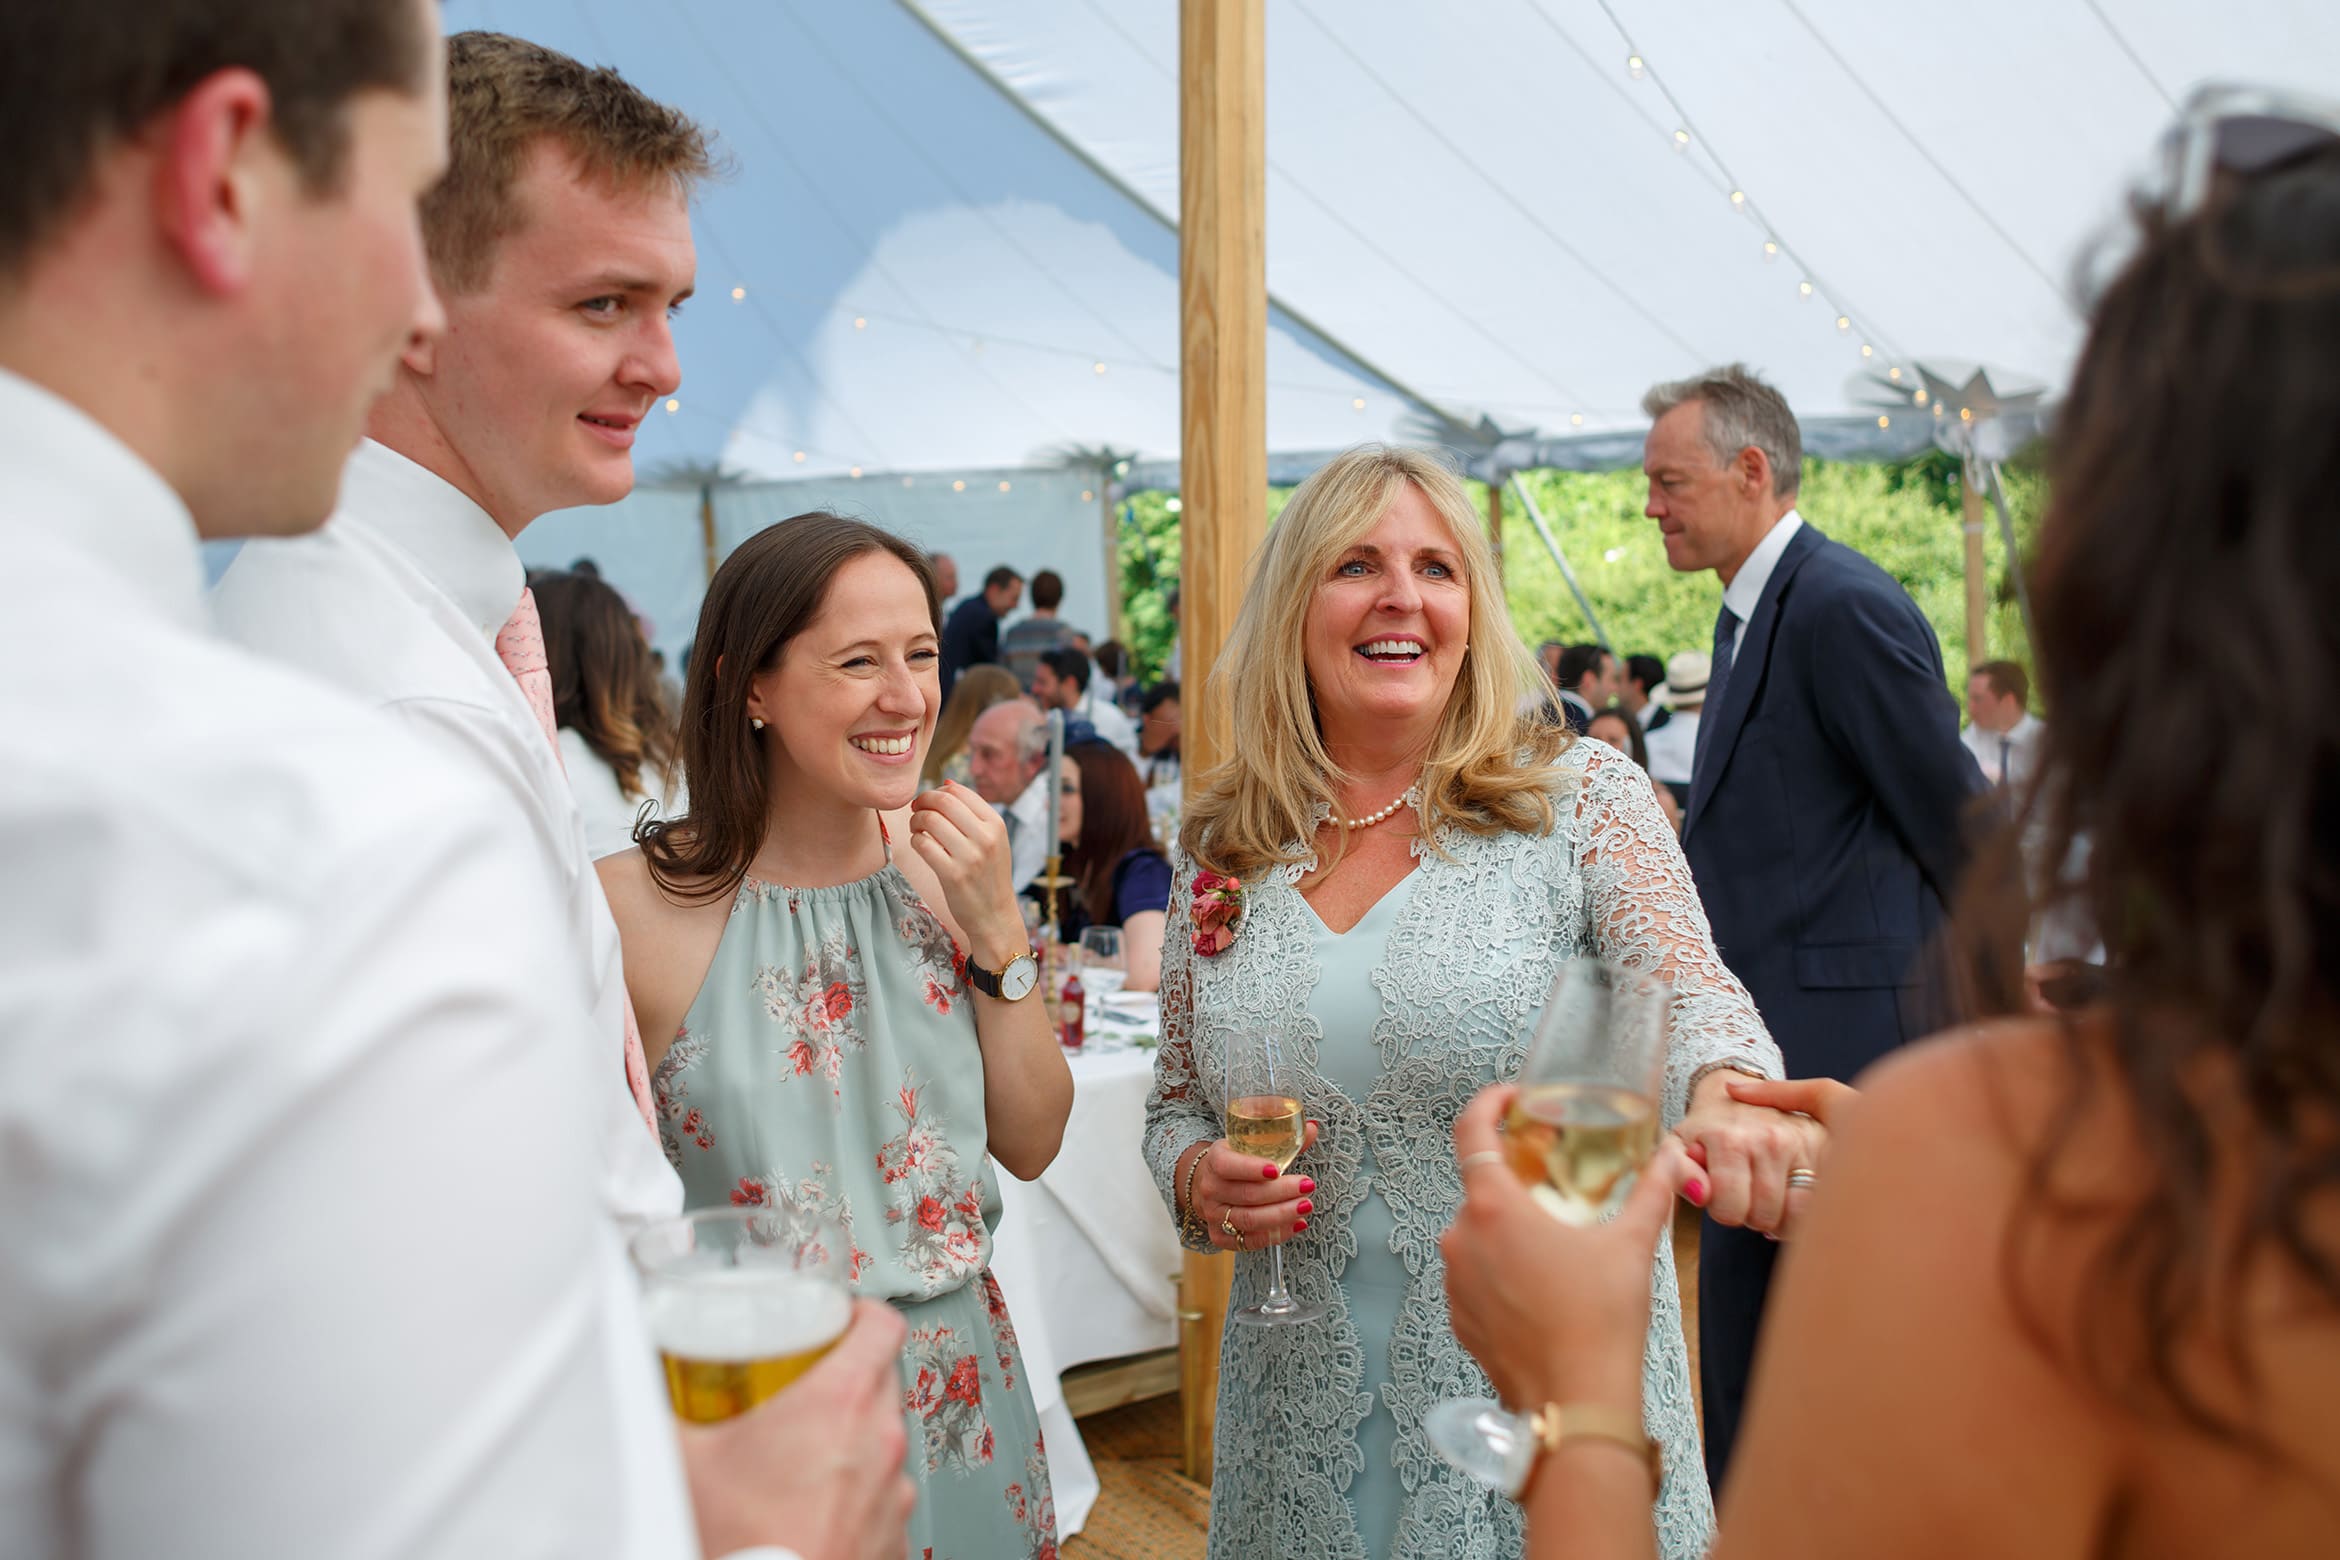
(1800, 1177)
(1227, 1223)
(1484, 1156)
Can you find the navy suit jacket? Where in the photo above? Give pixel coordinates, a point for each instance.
(1828, 822)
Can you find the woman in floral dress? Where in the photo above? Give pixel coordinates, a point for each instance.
(832, 977)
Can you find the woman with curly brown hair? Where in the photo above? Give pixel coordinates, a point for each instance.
(2073, 1288)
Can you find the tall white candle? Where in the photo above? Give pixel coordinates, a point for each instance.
(1055, 781)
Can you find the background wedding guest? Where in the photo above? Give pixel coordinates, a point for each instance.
(1062, 681)
(1643, 676)
(1007, 752)
(258, 962)
(1586, 678)
(1827, 759)
(971, 637)
(946, 577)
(1158, 729)
(978, 690)
(837, 971)
(2070, 1285)
(2001, 732)
(1120, 876)
(1415, 860)
(1023, 642)
(616, 730)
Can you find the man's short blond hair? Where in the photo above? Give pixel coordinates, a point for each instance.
(503, 95)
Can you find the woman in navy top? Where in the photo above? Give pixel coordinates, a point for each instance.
(1120, 876)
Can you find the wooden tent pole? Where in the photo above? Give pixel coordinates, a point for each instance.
(1222, 309)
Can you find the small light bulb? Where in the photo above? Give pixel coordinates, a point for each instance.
(1088, 495)
(1843, 322)
(1937, 408)
(854, 472)
(1357, 405)
(1003, 487)
(1770, 250)
(1919, 397)
(1966, 414)
(672, 407)
(1884, 422)
(860, 322)
(1738, 197)
(959, 487)
(1634, 67)
(1894, 374)
(1576, 419)
(800, 457)
(1100, 367)
(738, 293)
(1681, 140)
(1172, 504)
(1867, 350)
(1803, 289)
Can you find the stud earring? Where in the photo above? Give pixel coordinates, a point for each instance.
(754, 724)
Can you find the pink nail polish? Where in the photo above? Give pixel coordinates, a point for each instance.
(1307, 1185)
(1268, 1173)
(1306, 1206)
(1298, 1225)
(1696, 1192)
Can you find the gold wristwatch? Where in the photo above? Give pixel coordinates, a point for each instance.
(1556, 1423)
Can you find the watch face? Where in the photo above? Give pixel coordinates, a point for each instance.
(1018, 979)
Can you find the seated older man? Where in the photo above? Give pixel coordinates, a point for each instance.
(1007, 750)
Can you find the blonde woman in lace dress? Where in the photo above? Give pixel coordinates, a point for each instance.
(1415, 862)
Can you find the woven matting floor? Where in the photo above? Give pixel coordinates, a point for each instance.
(1147, 1510)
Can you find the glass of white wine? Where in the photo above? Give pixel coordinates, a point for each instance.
(740, 1302)
(1583, 1125)
(1265, 1120)
(1102, 971)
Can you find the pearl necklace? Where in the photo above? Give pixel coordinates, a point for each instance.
(1412, 798)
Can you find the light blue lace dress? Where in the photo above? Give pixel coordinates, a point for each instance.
(1397, 1023)
(828, 1067)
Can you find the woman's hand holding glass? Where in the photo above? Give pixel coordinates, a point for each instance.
(1266, 1205)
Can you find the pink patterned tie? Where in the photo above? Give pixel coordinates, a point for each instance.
(520, 646)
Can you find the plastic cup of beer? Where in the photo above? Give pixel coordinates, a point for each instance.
(740, 1302)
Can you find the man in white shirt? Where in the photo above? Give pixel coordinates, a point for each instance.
(560, 241)
(2002, 733)
(1063, 681)
(1007, 755)
(294, 1254)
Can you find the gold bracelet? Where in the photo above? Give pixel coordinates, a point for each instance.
(1190, 1222)
(1558, 1423)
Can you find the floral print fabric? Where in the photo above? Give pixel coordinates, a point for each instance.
(828, 1070)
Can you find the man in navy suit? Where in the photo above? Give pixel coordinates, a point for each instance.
(1829, 792)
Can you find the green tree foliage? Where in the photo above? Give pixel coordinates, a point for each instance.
(1906, 517)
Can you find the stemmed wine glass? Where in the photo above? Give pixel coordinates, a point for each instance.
(1581, 1129)
(1265, 1120)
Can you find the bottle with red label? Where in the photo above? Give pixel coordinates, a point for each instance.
(1073, 1011)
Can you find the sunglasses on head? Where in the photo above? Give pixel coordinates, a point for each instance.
(2238, 133)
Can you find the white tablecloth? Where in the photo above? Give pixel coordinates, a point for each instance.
(1086, 1255)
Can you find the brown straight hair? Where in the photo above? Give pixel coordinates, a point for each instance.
(762, 597)
(1114, 822)
(604, 685)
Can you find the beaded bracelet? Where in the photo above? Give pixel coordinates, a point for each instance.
(1190, 1222)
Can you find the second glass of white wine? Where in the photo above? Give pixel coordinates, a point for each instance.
(1265, 1120)
(1580, 1129)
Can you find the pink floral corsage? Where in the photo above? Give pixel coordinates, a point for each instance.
(1218, 905)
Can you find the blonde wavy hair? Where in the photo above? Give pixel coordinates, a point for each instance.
(1488, 769)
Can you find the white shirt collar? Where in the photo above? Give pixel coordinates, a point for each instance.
(455, 543)
(1032, 806)
(1745, 591)
(71, 482)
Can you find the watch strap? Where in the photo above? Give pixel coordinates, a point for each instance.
(992, 983)
(1556, 1424)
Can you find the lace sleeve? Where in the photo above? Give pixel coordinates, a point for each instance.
(1644, 915)
(1178, 1114)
